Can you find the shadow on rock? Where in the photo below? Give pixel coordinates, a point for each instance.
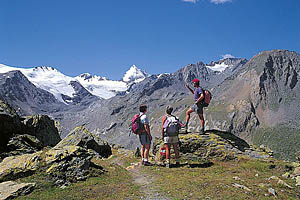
(235, 141)
(201, 165)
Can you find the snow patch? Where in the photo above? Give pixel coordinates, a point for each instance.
(218, 67)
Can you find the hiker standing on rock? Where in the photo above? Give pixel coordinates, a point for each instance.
(170, 130)
(198, 106)
(145, 136)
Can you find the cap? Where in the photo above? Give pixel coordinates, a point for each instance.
(196, 80)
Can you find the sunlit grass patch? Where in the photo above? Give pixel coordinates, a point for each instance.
(114, 183)
(216, 181)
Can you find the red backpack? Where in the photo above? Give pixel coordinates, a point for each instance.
(207, 97)
(136, 125)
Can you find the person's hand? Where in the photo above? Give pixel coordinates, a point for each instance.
(150, 137)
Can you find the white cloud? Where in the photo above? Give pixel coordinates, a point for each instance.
(190, 1)
(227, 56)
(220, 1)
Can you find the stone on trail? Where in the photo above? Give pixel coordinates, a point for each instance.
(10, 189)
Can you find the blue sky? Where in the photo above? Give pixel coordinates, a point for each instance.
(105, 37)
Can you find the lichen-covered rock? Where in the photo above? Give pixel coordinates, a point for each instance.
(81, 136)
(10, 189)
(43, 128)
(212, 145)
(13, 167)
(9, 124)
(23, 144)
(68, 164)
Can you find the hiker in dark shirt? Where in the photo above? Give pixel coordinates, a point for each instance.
(197, 106)
(145, 136)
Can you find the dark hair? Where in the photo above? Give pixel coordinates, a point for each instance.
(169, 110)
(197, 83)
(143, 108)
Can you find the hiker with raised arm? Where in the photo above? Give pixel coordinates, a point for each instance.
(198, 105)
(144, 135)
(170, 130)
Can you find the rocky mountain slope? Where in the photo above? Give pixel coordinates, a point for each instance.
(257, 101)
(111, 118)
(26, 97)
(260, 103)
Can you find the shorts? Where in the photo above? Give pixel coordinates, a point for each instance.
(197, 108)
(171, 140)
(144, 138)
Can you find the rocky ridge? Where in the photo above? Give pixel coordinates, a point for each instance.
(32, 144)
(110, 118)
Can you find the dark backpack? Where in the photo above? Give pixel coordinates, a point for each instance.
(171, 126)
(136, 126)
(207, 97)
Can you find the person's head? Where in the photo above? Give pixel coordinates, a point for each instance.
(169, 110)
(143, 108)
(196, 82)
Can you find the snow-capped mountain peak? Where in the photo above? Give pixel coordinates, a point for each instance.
(223, 64)
(220, 67)
(135, 75)
(60, 85)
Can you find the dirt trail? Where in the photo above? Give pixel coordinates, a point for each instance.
(141, 178)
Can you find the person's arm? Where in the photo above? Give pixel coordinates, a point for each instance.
(188, 87)
(200, 98)
(147, 128)
(162, 127)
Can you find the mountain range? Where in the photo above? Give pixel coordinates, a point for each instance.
(256, 100)
(60, 91)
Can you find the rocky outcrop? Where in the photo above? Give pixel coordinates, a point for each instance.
(68, 164)
(10, 124)
(23, 144)
(27, 134)
(16, 166)
(10, 189)
(81, 136)
(214, 145)
(64, 165)
(43, 128)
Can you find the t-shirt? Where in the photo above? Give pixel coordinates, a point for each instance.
(197, 92)
(144, 120)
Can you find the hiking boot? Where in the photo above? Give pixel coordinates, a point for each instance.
(186, 127)
(146, 163)
(202, 132)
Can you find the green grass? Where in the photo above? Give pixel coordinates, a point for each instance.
(283, 140)
(115, 183)
(215, 182)
(192, 180)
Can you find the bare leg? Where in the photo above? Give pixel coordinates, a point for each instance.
(168, 152)
(188, 113)
(201, 120)
(142, 152)
(175, 146)
(146, 153)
